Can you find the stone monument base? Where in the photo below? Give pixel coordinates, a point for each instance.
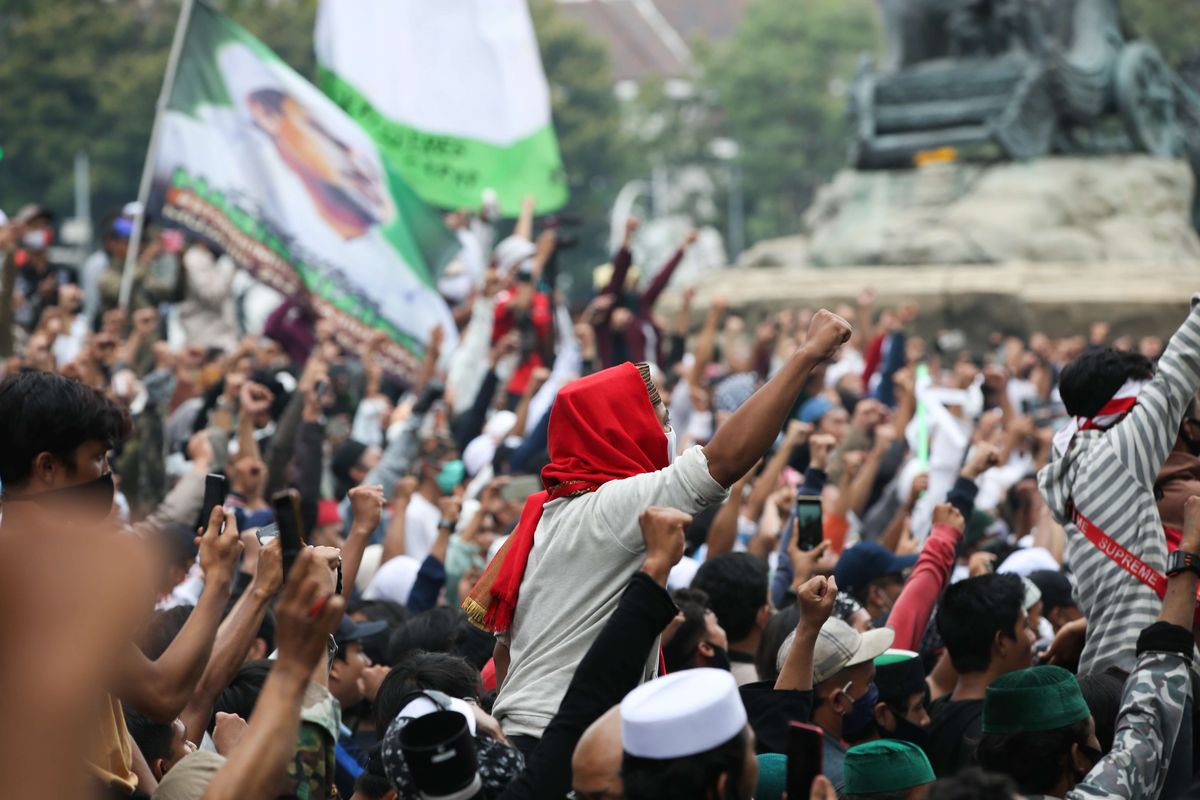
(1136, 299)
(1121, 209)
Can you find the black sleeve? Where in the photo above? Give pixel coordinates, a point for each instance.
(612, 668)
(771, 711)
(470, 423)
(962, 496)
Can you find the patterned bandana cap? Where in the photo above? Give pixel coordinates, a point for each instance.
(498, 763)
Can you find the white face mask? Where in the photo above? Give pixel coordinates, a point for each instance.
(672, 445)
(36, 239)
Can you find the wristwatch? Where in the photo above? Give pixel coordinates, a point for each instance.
(1182, 561)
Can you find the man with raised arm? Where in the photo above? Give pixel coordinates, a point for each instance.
(560, 575)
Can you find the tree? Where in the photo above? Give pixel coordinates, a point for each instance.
(86, 76)
(780, 84)
(587, 121)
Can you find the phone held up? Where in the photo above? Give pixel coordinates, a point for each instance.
(810, 525)
(286, 505)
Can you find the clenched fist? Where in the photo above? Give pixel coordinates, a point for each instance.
(826, 333)
(662, 531)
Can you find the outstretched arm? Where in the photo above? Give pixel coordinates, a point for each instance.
(740, 442)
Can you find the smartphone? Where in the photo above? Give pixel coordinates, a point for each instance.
(267, 533)
(286, 505)
(805, 757)
(519, 488)
(810, 525)
(216, 489)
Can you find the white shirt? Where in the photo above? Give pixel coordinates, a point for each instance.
(585, 549)
(420, 527)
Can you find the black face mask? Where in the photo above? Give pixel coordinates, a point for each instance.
(720, 659)
(86, 502)
(908, 732)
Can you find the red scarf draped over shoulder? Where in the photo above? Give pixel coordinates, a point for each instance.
(602, 428)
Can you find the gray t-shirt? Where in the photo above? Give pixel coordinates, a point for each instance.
(585, 549)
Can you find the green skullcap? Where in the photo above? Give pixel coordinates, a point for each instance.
(1034, 699)
(772, 777)
(885, 765)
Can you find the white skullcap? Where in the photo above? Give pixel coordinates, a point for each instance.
(1027, 560)
(682, 714)
(394, 581)
(512, 253)
(423, 705)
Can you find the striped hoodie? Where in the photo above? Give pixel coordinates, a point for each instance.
(1110, 477)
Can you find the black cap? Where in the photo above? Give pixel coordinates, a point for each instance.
(351, 631)
(1056, 589)
(899, 674)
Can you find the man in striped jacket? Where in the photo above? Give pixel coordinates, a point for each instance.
(1100, 485)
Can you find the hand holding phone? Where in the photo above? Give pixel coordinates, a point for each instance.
(810, 525)
(216, 490)
(286, 505)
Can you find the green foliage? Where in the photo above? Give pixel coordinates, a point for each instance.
(1171, 27)
(781, 85)
(587, 121)
(86, 76)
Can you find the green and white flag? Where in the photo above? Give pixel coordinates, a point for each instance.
(257, 161)
(452, 90)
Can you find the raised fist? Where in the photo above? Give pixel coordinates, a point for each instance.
(826, 333)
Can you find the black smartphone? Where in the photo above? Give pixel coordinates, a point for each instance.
(216, 489)
(286, 505)
(810, 525)
(805, 757)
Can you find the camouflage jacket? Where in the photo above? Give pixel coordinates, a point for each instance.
(1151, 713)
(312, 769)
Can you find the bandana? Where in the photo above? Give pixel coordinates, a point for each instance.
(1109, 415)
(601, 429)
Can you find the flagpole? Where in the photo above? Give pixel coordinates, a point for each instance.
(164, 97)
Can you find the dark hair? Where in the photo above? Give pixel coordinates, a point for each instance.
(242, 692)
(394, 614)
(1034, 760)
(1102, 693)
(972, 783)
(152, 738)
(773, 635)
(861, 593)
(269, 98)
(1090, 381)
(688, 777)
(470, 643)
(736, 584)
(441, 672)
(970, 614)
(161, 630)
(41, 412)
(431, 631)
(678, 652)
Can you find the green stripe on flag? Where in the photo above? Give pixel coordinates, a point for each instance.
(453, 171)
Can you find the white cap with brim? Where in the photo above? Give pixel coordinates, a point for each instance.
(682, 714)
(840, 646)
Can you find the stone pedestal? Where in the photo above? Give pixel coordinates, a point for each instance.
(1116, 209)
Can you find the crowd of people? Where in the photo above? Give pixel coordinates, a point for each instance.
(582, 552)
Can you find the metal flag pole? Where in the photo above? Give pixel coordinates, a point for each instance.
(164, 97)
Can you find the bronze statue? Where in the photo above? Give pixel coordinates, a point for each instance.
(1017, 79)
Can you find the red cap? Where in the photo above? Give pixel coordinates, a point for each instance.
(328, 513)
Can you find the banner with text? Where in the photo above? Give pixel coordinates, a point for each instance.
(452, 90)
(261, 164)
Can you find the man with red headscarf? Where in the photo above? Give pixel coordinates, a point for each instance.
(560, 575)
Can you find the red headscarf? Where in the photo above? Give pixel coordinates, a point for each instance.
(602, 428)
